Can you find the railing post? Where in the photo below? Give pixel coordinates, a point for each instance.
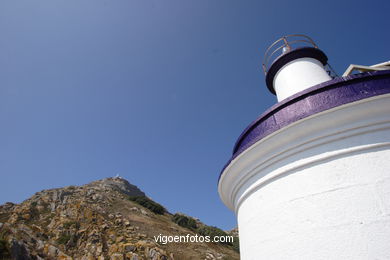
(264, 69)
(286, 44)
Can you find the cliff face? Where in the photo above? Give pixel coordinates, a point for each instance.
(106, 219)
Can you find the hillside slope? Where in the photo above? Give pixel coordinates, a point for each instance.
(100, 220)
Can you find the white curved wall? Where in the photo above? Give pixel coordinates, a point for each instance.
(336, 209)
(316, 189)
(298, 75)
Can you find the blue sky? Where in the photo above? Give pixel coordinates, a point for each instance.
(154, 90)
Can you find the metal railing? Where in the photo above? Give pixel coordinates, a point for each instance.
(284, 45)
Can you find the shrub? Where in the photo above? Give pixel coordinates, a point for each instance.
(212, 232)
(34, 212)
(184, 221)
(149, 204)
(63, 239)
(4, 252)
(69, 224)
(236, 244)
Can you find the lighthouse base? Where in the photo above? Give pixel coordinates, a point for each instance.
(333, 208)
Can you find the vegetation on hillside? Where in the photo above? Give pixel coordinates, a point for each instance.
(204, 230)
(184, 221)
(4, 251)
(149, 204)
(63, 238)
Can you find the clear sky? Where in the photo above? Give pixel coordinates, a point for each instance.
(154, 90)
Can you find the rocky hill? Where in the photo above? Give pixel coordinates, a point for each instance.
(106, 219)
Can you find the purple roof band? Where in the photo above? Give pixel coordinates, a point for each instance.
(324, 96)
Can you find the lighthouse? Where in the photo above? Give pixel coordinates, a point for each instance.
(310, 177)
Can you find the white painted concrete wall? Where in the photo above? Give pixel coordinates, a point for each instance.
(317, 189)
(298, 75)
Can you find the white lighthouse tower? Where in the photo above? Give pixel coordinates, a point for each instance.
(310, 178)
